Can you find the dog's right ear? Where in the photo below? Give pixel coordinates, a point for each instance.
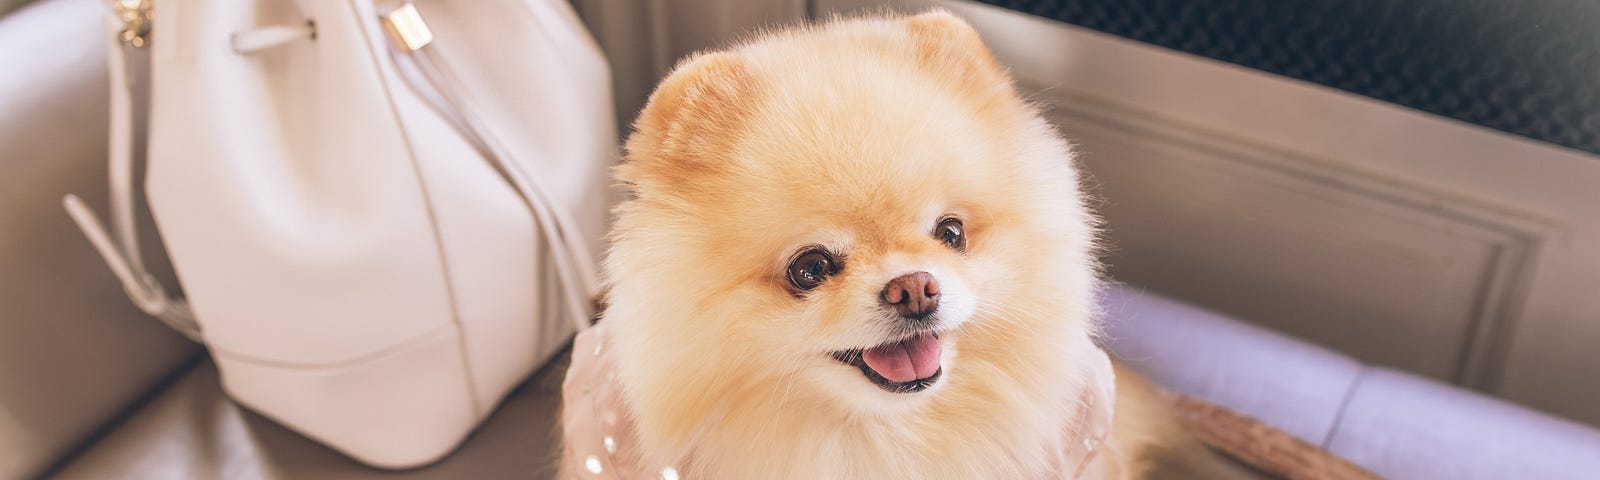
(693, 116)
(950, 46)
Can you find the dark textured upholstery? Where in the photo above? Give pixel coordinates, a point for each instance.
(1528, 67)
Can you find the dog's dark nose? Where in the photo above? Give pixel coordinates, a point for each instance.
(913, 295)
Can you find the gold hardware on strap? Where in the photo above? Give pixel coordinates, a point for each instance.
(135, 16)
(406, 28)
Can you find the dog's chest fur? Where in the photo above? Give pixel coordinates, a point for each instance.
(987, 430)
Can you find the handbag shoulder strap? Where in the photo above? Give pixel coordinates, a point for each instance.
(130, 24)
(412, 46)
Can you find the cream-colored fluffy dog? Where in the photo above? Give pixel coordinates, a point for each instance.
(853, 251)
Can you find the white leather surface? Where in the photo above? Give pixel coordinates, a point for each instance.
(285, 189)
(404, 408)
(323, 218)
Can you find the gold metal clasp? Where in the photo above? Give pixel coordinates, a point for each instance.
(135, 16)
(406, 28)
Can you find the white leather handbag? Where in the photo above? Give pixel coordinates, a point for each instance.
(381, 213)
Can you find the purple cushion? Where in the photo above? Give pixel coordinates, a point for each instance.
(1405, 427)
(1285, 382)
(1397, 425)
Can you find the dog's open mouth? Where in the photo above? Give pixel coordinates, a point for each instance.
(903, 366)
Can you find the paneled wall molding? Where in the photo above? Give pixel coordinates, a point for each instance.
(1511, 237)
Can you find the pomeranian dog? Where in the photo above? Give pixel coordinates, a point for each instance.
(853, 250)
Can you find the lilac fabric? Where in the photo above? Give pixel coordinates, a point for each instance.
(1405, 427)
(1394, 424)
(1266, 375)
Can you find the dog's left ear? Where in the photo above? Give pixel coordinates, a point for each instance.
(949, 45)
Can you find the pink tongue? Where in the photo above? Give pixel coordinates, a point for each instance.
(910, 359)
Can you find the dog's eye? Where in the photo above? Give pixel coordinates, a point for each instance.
(952, 234)
(809, 269)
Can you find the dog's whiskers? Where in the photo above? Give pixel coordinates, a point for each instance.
(1009, 317)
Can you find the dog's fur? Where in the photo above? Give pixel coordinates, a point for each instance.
(856, 135)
